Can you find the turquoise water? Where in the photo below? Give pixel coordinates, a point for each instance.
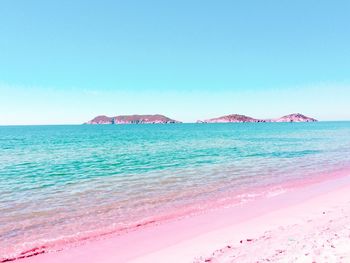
(62, 184)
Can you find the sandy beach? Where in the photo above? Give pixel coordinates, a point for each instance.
(315, 231)
(307, 224)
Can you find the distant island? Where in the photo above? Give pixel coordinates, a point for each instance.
(132, 119)
(295, 117)
(158, 118)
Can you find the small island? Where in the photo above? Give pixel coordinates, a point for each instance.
(230, 118)
(294, 117)
(161, 119)
(132, 119)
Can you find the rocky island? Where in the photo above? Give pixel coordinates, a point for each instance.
(157, 118)
(231, 118)
(294, 117)
(131, 119)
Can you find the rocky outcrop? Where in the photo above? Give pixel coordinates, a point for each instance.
(295, 117)
(101, 120)
(157, 118)
(232, 118)
(131, 119)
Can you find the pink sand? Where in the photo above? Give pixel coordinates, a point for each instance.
(268, 228)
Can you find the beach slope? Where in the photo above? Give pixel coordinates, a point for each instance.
(309, 223)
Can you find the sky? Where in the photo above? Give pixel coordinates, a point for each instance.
(64, 62)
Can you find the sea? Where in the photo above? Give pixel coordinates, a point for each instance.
(61, 186)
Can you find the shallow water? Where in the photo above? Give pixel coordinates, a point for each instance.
(62, 184)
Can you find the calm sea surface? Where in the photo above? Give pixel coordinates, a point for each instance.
(62, 184)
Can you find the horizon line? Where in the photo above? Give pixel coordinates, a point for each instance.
(79, 124)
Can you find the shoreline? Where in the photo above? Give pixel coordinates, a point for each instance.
(258, 218)
(190, 238)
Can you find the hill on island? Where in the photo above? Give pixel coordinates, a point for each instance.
(131, 119)
(294, 117)
(157, 118)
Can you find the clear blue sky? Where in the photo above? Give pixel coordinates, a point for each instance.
(67, 61)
